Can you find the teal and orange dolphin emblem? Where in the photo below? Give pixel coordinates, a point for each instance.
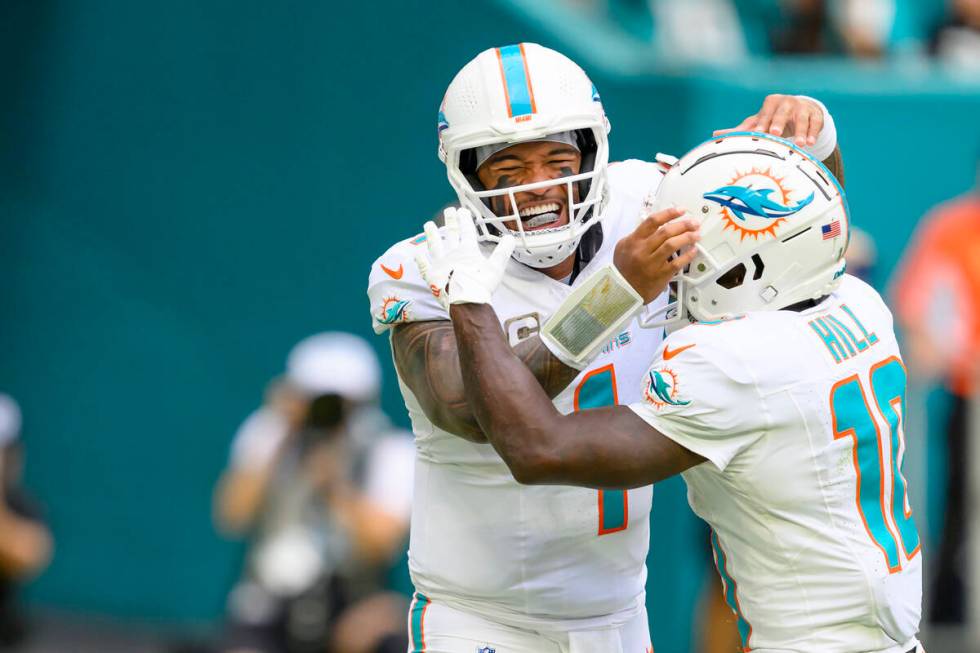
(742, 200)
(393, 311)
(663, 391)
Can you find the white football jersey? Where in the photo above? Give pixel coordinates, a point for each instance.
(527, 555)
(801, 416)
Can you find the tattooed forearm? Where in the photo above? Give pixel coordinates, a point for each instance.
(425, 355)
(608, 447)
(835, 163)
(428, 362)
(552, 375)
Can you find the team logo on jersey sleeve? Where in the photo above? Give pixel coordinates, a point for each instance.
(661, 388)
(486, 649)
(393, 311)
(756, 203)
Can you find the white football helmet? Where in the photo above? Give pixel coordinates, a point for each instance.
(774, 228)
(520, 93)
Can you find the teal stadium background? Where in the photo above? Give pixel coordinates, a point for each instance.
(188, 188)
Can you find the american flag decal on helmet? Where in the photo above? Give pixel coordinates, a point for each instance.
(831, 230)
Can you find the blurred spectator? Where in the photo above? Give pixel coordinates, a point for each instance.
(25, 543)
(802, 28)
(957, 40)
(322, 483)
(861, 255)
(703, 31)
(725, 32)
(937, 301)
(865, 26)
(859, 28)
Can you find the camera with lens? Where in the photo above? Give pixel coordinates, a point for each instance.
(325, 416)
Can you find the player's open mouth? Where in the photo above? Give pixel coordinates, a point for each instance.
(540, 216)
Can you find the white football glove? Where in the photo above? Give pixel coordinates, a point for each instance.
(454, 265)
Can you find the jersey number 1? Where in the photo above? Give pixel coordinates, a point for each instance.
(882, 492)
(598, 389)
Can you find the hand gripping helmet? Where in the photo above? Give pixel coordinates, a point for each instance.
(774, 228)
(523, 93)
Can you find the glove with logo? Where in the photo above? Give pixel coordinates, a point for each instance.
(455, 267)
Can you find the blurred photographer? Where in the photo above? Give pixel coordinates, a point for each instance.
(321, 483)
(25, 543)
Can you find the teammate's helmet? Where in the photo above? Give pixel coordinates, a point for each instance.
(774, 228)
(523, 93)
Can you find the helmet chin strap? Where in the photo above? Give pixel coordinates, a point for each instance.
(583, 249)
(538, 261)
(804, 305)
(589, 244)
(547, 256)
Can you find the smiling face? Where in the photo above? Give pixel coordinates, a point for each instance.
(527, 163)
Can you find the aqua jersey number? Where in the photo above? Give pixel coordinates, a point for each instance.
(598, 389)
(882, 492)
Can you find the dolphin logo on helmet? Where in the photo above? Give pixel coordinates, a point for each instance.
(731, 276)
(741, 200)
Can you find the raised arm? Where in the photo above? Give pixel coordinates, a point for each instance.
(428, 362)
(607, 447)
(802, 120)
(603, 448)
(426, 353)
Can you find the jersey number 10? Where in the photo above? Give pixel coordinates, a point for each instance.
(595, 390)
(882, 492)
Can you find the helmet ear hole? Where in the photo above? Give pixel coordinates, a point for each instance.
(467, 165)
(588, 148)
(759, 267)
(733, 278)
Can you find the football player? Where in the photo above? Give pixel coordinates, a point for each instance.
(782, 404)
(498, 565)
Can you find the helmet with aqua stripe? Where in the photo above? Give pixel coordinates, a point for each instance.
(514, 95)
(774, 228)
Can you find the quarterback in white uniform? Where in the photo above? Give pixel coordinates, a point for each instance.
(547, 559)
(498, 565)
(782, 405)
